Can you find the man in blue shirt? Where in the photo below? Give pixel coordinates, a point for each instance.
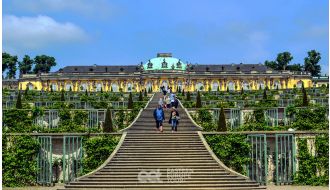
(159, 117)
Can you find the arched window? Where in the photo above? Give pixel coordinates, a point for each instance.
(149, 85)
(83, 87)
(68, 86)
(215, 86)
(231, 86)
(114, 87)
(180, 84)
(53, 87)
(261, 85)
(99, 86)
(246, 85)
(165, 84)
(277, 85)
(30, 86)
(299, 84)
(129, 87)
(200, 86)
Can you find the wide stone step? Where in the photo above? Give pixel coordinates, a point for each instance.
(161, 159)
(164, 166)
(163, 185)
(199, 171)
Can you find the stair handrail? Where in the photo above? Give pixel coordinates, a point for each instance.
(114, 152)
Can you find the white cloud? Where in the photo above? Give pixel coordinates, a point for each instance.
(21, 33)
(94, 8)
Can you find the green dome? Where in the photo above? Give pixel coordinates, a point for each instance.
(164, 63)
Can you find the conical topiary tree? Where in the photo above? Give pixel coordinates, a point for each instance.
(62, 95)
(265, 94)
(151, 89)
(198, 100)
(305, 100)
(188, 96)
(179, 89)
(108, 127)
(218, 89)
(26, 91)
(222, 126)
(242, 91)
(209, 89)
(183, 92)
(111, 90)
(19, 101)
(140, 96)
(130, 101)
(101, 89)
(86, 93)
(145, 92)
(70, 89)
(51, 89)
(227, 89)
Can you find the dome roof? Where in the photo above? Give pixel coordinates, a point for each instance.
(164, 63)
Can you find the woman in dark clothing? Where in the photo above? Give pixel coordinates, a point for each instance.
(174, 119)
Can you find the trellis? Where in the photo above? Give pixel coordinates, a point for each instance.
(44, 161)
(50, 119)
(271, 117)
(235, 118)
(285, 158)
(257, 168)
(72, 158)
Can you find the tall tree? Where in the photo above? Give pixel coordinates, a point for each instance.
(62, 95)
(140, 96)
(43, 63)
(271, 64)
(145, 92)
(5, 59)
(19, 101)
(188, 96)
(130, 101)
(108, 127)
(265, 94)
(311, 63)
(183, 92)
(198, 100)
(222, 121)
(305, 100)
(25, 66)
(295, 67)
(9, 62)
(283, 59)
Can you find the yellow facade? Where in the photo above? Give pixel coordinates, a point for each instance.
(156, 84)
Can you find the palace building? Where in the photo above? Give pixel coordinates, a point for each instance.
(165, 70)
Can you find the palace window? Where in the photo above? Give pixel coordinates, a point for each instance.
(179, 64)
(149, 65)
(164, 64)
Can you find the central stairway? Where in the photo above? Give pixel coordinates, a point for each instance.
(148, 159)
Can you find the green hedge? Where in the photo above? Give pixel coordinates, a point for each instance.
(233, 150)
(19, 165)
(313, 169)
(97, 150)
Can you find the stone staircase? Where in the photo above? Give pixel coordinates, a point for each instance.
(151, 160)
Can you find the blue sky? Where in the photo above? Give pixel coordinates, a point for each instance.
(126, 32)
